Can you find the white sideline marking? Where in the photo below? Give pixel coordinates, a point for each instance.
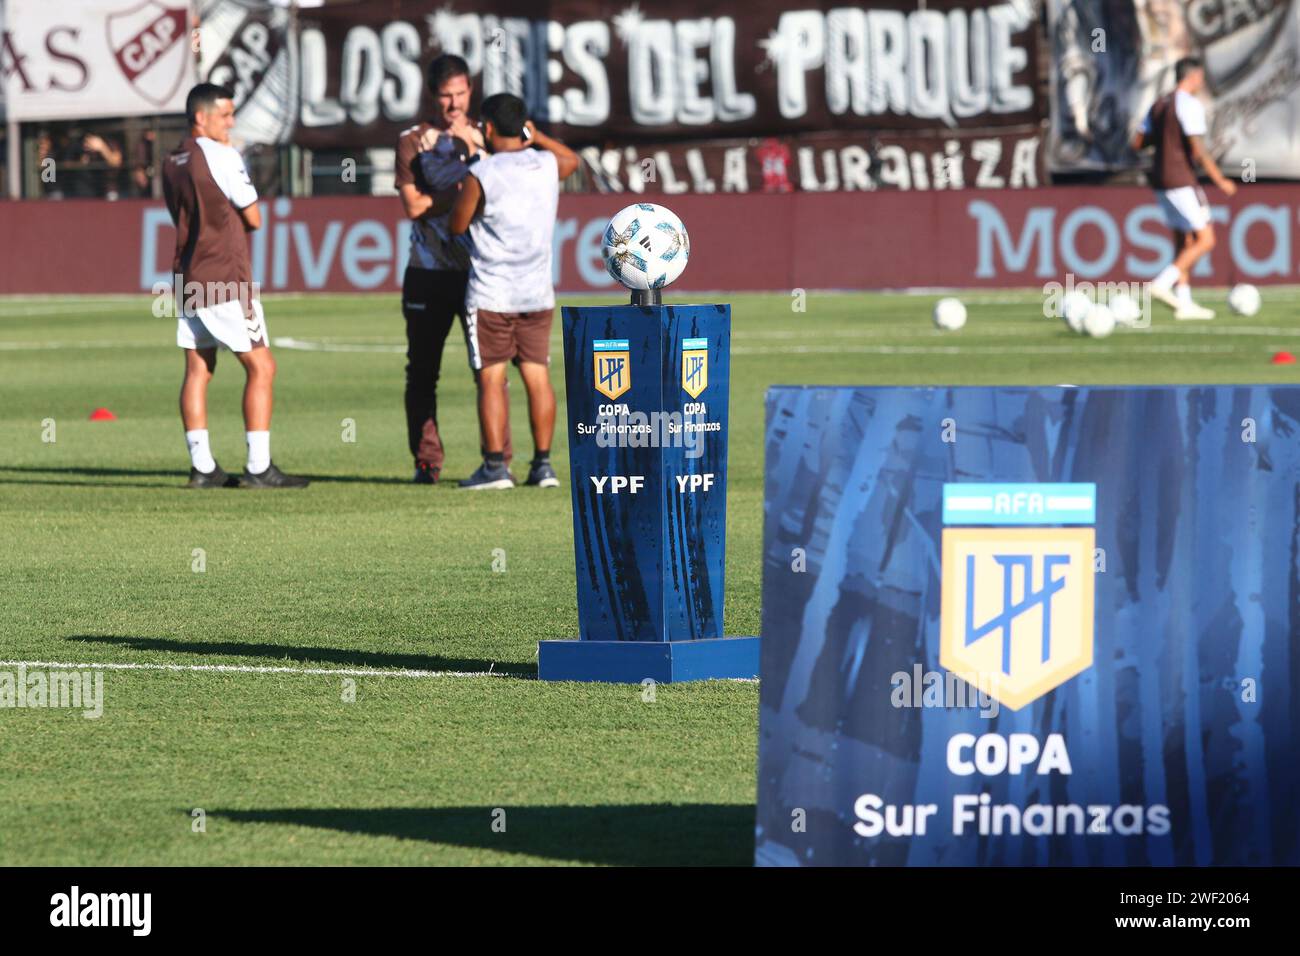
(249, 669)
(307, 345)
(992, 349)
(50, 346)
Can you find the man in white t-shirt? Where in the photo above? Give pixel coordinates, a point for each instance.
(508, 204)
(1176, 127)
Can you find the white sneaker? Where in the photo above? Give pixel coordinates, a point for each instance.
(1190, 310)
(1166, 295)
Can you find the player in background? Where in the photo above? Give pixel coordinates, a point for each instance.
(430, 165)
(507, 203)
(213, 205)
(1176, 127)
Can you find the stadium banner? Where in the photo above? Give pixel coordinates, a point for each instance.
(820, 162)
(885, 239)
(1031, 627)
(352, 75)
(95, 58)
(1112, 60)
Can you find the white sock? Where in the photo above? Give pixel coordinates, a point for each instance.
(1168, 276)
(259, 452)
(1185, 293)
(200, 452)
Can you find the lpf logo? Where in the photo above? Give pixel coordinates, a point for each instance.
(1017, 601)
(695, 366)
(612, 367)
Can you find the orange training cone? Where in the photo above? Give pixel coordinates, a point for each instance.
(104, 415)
(1283, 358)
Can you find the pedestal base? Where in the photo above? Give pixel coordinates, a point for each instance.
(631, 662)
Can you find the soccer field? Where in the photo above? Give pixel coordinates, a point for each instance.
(235, 625)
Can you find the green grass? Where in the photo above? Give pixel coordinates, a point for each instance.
(365, 571)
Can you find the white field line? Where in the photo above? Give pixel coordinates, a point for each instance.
(923, 330)
(248, 669)
(310, 345)
(53, 346)
(74, 308)
(994, 350)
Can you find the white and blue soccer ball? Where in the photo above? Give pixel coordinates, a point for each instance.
(949, 315)
(1244, 299)
(1074, 307)
(1099, 322)
(1125, 308)
(645, 246)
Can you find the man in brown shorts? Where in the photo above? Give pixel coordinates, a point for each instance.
(214, 204)
(430, 166)
(507, 204)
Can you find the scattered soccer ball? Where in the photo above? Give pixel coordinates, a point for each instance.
(1074, 307)
(1244, 299)
(949, 315)
(1125, 309)
(1099, 322)
(645, 246)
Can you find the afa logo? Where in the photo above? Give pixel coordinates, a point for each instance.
(695, 366)
(613, 371)
(1016, 616)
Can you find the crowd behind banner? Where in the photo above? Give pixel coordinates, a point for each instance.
(658, 99)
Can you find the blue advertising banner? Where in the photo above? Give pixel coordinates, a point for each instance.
(1031, 627)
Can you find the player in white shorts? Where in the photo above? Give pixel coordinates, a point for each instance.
(213, 204)
(1176, 127)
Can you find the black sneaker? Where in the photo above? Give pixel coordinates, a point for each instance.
(216, 478)
(425, 474)
(542, 475)
(489, 477)
(272, 478)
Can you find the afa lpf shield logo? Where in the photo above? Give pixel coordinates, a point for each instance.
(613, 370)
(695, 366)
(1016, 616)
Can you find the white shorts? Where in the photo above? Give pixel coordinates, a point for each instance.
(223, 324)
(1186, 208)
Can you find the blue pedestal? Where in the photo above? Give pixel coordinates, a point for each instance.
(647, 390)
(663, 662)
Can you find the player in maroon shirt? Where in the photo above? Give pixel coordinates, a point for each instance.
(1176, 127)
(214, 205)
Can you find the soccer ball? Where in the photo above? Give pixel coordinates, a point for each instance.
(1099, 322)
(1074, 307)
(949, 314)
(1125, 309)
(645, 246)
(1244, 299)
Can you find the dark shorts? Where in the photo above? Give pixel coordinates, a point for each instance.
(494, 337)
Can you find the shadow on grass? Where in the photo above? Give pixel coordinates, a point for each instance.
(629, 835)
(283, 653)
(180, 475)
(90, 484)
